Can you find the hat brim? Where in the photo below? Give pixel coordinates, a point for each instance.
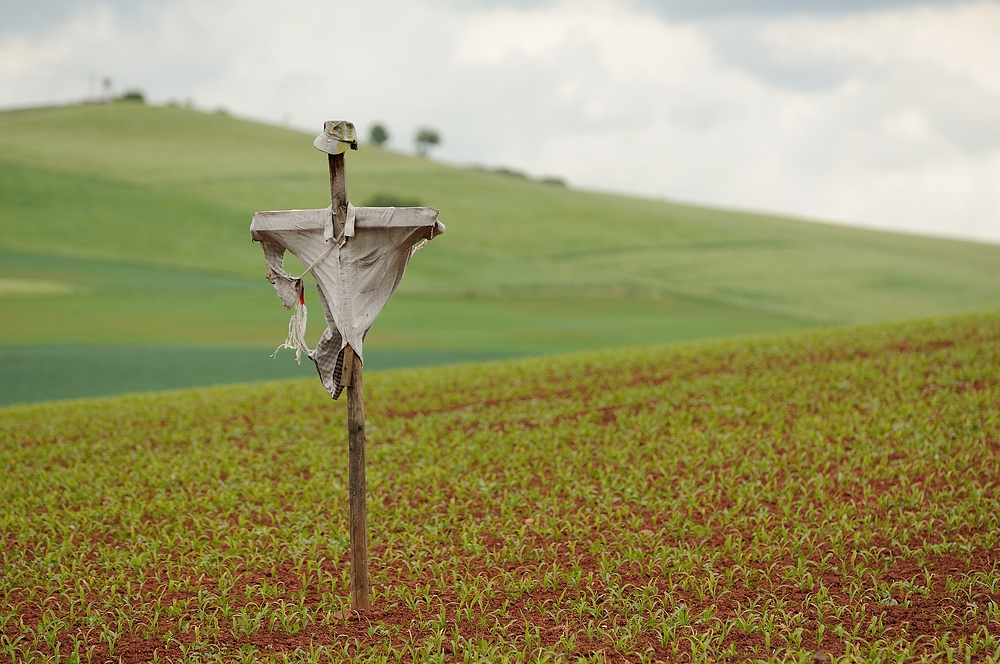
(330, 145)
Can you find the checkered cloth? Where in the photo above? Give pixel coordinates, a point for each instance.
(355, 273)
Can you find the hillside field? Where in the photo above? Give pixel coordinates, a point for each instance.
(829, 495)
(125, 258)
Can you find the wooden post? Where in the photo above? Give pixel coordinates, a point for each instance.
(358, 484)
(351, 377)
(338, 192)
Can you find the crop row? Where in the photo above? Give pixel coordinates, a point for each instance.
(829, 495)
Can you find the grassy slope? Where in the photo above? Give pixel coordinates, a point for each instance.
(833, 491)
(173, 187)
(525, 268)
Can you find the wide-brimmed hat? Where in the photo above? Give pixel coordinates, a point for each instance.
(337, 136)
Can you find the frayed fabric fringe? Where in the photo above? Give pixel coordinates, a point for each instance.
(296, 333)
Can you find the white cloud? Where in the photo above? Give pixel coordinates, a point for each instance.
(887, 118)
(960, 41)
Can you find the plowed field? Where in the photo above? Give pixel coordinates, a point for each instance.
(828, 496)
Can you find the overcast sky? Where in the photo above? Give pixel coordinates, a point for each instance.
(881, 113)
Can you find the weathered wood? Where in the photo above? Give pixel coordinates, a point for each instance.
(358, 487)
(351, 378)
(346, 372)
(338, 192)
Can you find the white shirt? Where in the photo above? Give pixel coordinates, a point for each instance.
(355, 273)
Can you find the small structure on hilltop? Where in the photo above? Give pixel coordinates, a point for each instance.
(357, 256)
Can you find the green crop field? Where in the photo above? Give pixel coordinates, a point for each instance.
(124, 227)
(817, 496)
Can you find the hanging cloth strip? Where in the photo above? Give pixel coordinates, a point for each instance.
(296, 339)
(355, 273)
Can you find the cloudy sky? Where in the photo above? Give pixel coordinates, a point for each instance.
(883, 113)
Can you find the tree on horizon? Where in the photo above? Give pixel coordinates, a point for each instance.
(378, 134)
(425, 139)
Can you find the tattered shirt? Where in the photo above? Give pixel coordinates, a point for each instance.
(355, 273)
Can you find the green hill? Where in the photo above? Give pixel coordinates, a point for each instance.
(124, 225)
(830, 495)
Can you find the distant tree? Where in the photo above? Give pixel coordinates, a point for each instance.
(134, 95)
(426, 139)
(391, 200)
(379, 134)
(510, 172)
